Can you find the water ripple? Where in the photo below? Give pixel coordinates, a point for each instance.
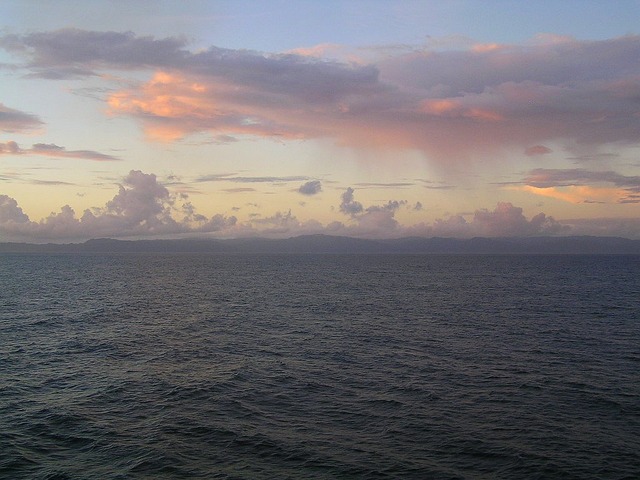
(319, 367)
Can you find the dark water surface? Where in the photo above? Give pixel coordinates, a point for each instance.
(319, 367)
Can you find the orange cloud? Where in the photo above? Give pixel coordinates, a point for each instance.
(483, 114)
(172, 106)
(450, 105)
(578, 193)
(166, 96)
(440, 106)
(317, 51)
(486, 47)
(537, 150)
(456, 108)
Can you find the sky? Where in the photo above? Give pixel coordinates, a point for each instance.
(372, 119)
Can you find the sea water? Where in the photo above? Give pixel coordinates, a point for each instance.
(319, 367)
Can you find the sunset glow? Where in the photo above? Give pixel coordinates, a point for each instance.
(220, 126)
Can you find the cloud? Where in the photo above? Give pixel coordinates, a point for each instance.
(72, 52)
(228, 177)
(427, 101)
(565, 89)
(537, 150)
(433, 185)
(311, 187)
(282, 98)
(348, 205)
(450, 104)
(53, 150)
(596, 157)
(631, 198)
(390, 206)
(280, 225)
(578, 185)
(319, 51)
(15, 121)
(384, 185)
(11, 213)
(224, 139)
(578, 194)
(372, 221)
(141, 207)
(238, 190)
(440, 187)
(140, 199)
(10, 147)
(548, 177)
(508, 221)
(49, 182)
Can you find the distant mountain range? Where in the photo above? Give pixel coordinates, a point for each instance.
(326, 244)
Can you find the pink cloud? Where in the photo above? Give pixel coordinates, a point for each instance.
(317, 51)
(578, 185)
(485, 101)
(507, 220)
(10, 147)
(452, 104)
(486, 47)
(372, 221)
(537, 150)
(172, 106)
(579, 194)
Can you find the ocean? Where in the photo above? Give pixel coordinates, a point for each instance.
(149, 366)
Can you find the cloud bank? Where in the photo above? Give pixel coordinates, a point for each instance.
(506, 220)
(451, 105)
(143, 207)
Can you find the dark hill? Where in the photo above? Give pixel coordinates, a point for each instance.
(326, 244)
